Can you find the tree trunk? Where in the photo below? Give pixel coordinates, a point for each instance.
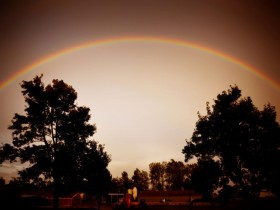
(55, 196)
(56, 183)
(99, 202)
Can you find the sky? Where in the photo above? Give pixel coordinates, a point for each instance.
(144, 68)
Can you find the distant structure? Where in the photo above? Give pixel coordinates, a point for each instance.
(180, 197)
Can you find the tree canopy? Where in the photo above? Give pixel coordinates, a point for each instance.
(140, 180)
(176, 173)
(242, 139)
(157, 175)
(53, 135)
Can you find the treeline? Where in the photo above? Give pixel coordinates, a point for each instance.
(172, 175)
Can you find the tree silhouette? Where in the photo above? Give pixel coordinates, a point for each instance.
(175, 175)
(126, 182)
(157, 175)
(116, 185)
(53, 136)
(242, 139)
(96, 176)
(140, 180)
(2, 182)
(205, 177)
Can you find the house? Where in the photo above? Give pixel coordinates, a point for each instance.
(180, 197)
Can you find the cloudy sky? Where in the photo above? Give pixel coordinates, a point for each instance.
(144, 82)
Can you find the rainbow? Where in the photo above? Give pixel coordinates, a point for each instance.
(48, 58)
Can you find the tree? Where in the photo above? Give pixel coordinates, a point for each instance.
(205, 177)
(126, 182)
(242, 139)
(175, 175)
(116, 185)
(2, 182)
(157, 175)
(121, 184)
(53, 136)
(96, 176)
(140, 180)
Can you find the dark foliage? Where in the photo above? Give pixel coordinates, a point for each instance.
(53, 137)
(243, 140)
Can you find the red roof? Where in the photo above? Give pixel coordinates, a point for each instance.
(153, 193)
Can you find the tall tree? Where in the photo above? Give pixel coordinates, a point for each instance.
(126, 181)
(205, 177)
(96, 176)
(53, 136)
(175, 175)
(157, 175)
(2, 182)
(121, 184)
(242, 139)
(116, 185)
(140, 180)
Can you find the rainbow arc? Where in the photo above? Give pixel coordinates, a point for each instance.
(90, 44)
